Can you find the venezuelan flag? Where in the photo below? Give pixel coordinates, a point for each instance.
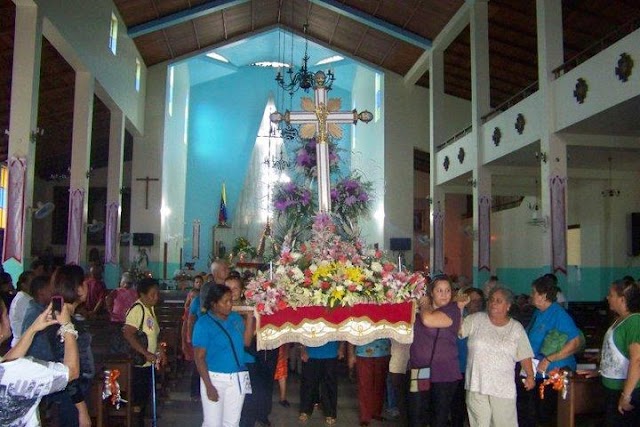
(222, 213)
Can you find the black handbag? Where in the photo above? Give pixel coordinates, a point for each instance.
(120, 345)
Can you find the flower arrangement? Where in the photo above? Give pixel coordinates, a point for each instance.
(306, 157)
(243, 248)
(351, 197)
(329, 271)
(291, 198)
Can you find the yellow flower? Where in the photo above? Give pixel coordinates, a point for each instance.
(354, 274)
(338, 293)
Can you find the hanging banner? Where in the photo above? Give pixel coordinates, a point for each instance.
(74, 225)
(557, 186)
(111, 234)
(438, 241)
(484, 233)
(195, 239)
(14, 233)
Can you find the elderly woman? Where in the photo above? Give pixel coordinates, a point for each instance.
(219, 338)
(120, 300)
(554, 339)
(620, 358)
(496, 342)
(142, 316)
(434, 345)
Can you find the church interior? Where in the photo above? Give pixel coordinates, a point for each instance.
(503, 140)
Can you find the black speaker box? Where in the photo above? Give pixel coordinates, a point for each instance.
(634, 236)
(142, 239)
(400, 243)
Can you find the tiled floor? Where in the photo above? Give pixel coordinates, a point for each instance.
(180, 411)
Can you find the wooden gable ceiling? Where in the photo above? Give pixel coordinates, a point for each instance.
(512, 44)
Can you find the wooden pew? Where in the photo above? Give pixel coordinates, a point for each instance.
(584, 399)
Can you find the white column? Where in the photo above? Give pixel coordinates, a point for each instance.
(80, 161)
(550, 56)
(436, 137)
(25, 84)
(480, 105)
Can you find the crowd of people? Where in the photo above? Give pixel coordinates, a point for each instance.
(478, 357)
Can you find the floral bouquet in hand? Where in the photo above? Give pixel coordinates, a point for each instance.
(331, 272)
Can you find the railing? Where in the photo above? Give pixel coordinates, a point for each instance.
(455, 137)
(597, 47)
(524, 93)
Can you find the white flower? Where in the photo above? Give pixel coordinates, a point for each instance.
(376, 267)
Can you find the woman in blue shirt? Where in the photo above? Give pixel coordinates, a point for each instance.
(219, 338)
(554, 339)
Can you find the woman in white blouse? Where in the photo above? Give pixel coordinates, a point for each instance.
(496, 342)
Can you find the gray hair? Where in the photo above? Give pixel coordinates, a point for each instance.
(506, 293)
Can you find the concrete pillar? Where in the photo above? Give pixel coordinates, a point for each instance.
(81, 157)
(480, 105)
(552, 147)
(25, 85)
(436, 137)
(114, 196)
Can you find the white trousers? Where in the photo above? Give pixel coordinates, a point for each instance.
(491, 411)
(226, 411)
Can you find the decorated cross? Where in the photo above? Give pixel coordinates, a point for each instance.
(321, 119)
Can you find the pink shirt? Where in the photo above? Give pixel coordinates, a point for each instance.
(123, 299)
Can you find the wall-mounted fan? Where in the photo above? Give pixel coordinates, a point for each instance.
(43, 210)
(95, 226)
(125, 238)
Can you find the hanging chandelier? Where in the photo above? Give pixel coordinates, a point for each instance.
(291, 81)
(610, 191)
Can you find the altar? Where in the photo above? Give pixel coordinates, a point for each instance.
(315, 326)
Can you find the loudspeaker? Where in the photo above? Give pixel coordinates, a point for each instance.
(634, 236)
(142, 239)
(400, 243)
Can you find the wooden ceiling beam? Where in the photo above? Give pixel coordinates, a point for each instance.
(182, 16)
(374, 22)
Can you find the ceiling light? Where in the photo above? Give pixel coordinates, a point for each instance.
(272, 64)
(329, 60)
(217, 57)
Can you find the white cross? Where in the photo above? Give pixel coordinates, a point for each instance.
(322, 117)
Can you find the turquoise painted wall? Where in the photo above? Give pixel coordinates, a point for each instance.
(224, 116)
(580, 284)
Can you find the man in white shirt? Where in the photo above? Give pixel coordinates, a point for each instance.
(19, 305)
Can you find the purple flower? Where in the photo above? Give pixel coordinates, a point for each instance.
(351, 184)
(349, 201)
(334, 194)
(363, 197)
(280, 205)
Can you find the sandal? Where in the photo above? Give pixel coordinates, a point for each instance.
(303, 417)
(330, 421)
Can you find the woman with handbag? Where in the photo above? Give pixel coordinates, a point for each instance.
(495, 343)
(433, 362)
(219, 338)
(141, 320)
(554, 339)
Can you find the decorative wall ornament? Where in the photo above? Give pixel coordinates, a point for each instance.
(195, 239)
(438, 240)
(580, 92)
(520, 122)
(484, 233)
(75, 226)
(446, 163)
(624, 68)
(497, 136)
(461, 155)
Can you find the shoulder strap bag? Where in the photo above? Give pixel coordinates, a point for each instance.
(420, 378)
(244, 381)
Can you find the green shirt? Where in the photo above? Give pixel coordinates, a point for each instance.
(623, 336)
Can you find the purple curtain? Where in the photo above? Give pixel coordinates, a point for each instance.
(111, 234)
(484, 233)
(557, 185)
(13, 246)
(438, 241)
(75, 225)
